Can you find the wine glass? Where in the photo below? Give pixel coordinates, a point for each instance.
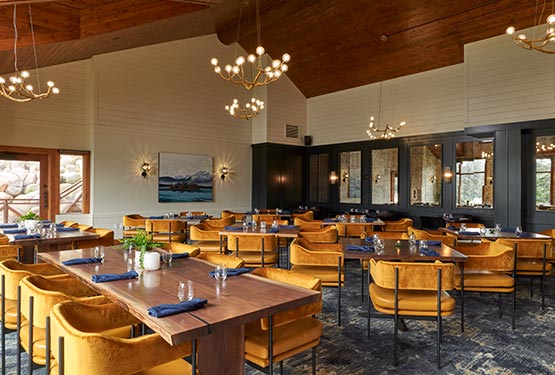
(185, 290)
(423, 244)
(482, 231)
(99, 252)
(518, 230)
(220, 272)
(167, 257)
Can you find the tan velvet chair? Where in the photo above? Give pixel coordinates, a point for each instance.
(69, 224)
(293, 331)
(324, 261)
(167, 230)
(84, 227)
(10, 252)
(180, 248)
(132, 224)
(398, 225)
(4, 240)
(550, 233)
(105, 238)
(194, 213)
(306, 216)
(89, 350)
(12, 271)
(207, 238)
(308, 226)
(353, 230)
(237, 216)
(424, 235)
(229, 261)
(249, 248)
(531, 261)
(268, 218)
(218, 224)
(404, 290)
(490, 268)
(327, 234)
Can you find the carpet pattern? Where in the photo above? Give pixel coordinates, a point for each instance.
(488, 345)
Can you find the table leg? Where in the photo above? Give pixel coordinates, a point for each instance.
(462, 297)
(223, 352)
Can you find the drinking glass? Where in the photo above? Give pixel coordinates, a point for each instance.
(245, 226)
(497, 228)
(220, 272)
(353, 218)
(379, 246)
(412, 239)
(253, 225)
(99, 252)
(482, 231)
(167, 257)
(275, 224)
(262, 225)
(185, 290)
(423, 244)
(518, 230)
(463, 227)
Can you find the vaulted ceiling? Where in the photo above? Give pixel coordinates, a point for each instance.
(334, 44)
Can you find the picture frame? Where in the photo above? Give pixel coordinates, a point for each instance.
(185, 178)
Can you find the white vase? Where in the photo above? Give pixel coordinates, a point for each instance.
(151, 260)
(30, 224)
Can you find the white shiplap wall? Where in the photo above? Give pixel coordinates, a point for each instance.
(506, 83)
(429, 102)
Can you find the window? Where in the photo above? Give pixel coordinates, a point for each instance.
(545, 154)
(349, 185)
(425, 175)
(385, 180)
(474, 174)
(74, 179)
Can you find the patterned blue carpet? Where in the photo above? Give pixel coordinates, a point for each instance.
(488, 345)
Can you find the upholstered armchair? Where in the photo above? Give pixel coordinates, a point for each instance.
(249, 248)
(168, 230)
(308, 226)
(90, 349)
(105, 238)
(324, 261)
(180, 248)
(10, 252)
(194, 213)
(306, 216)
(84, 227)
(531, 261)
(292, 331)
(207, 237)
(229, 261)
(237, 216)
(69, 224)
(353, 230)
(490, 268)
(327, 234)
(132, 224)
(4, 240)
(218, 224)
(268, 218)
(404, 290)
(424, 235)
(398, 225)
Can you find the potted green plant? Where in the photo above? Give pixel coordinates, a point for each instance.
(30, 219)
(141, 242)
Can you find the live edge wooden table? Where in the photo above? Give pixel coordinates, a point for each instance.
(220, 325)
(402, 253)
(474, 234)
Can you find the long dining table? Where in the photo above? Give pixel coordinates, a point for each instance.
(219, 326)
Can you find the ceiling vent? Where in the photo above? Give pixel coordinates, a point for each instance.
(292, 131)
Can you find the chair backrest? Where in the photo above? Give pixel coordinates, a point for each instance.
(165, 226)
(10, 251)
(105, 238)
(398, 225)
(305, 252)
(203, 232)
(353, 230)
(14, 271)
(219, 223)
(251, 242)
(327, 234)
(134, 220)
(268, 218)
(526, 248)
(180, 248)
(414, 276)
(4, 239)
(292, 278)
(70, 224)
(424, 235)
(308, 225)
(228, 260)
(490, 256)
(237, 216)
(306, 216)
(84, 227)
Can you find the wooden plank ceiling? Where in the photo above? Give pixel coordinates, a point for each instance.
(334, 44)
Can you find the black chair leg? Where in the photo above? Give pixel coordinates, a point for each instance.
(271, 345)
(543, 291)
(47, 342)
(194, 358)
(61, 360)
(281, 368)
(3, 319)
(514, 308)
(314, 360)
(531, 287)
(499, 302)
(439, 339)
(30, 344)
(18, 332)
(395, 329)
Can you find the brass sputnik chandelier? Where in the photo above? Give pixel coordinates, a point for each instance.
(388, 132)
(539, 43)
(239, 73)
(17, 88)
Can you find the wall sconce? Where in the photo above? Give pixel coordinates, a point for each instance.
(145, 169)
(345, 177)
(377, 178)
(448, 174)
(433, 180)
(223, 172)
(333, 177)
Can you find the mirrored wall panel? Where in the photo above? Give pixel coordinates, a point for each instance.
(350, 175)
(425, 175)
(545, 152)
(319, 178)
(474, 174)
(385, 176)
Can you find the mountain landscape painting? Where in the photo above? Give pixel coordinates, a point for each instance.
(184, 178)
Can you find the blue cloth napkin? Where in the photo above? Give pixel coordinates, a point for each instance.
(67, 229)
(233, 228)
(234, 271)
(156, 217)
(73, 262)
(284, 212)
(330, 220)
(45, 221)
(467, 233)
(288, 226)
(360, 248)
(370, 219)
(26, 236)
(199, 217)
(250, 213)
(523, 235)
(369, 239)
(11, 225)
(58, 225)
(273, 230)
(429, 252)
(431, 242)
(15, 231)
(167, 309)
(452, 227)
(100, 278)
(507, 230)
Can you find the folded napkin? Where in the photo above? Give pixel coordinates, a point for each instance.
(370, 219)
(468, 233)
(156, 217)
(15, 231)
(284, 212)
(360, 248)
(198, 217)
(26, 236)
(67, 229)
(523, 235)
(234, 271)
(273, 230)
(45, 221)
(100, 278)
(432, 242)
(330, 220)
(288, 226)
(73, 262)
(58, 225)
(231, 227)
(178, 256)
(250, 213)
(11, 225)
(429, 252)
(508, 230)
(452, 227)
(369, 239)
(167, 309)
